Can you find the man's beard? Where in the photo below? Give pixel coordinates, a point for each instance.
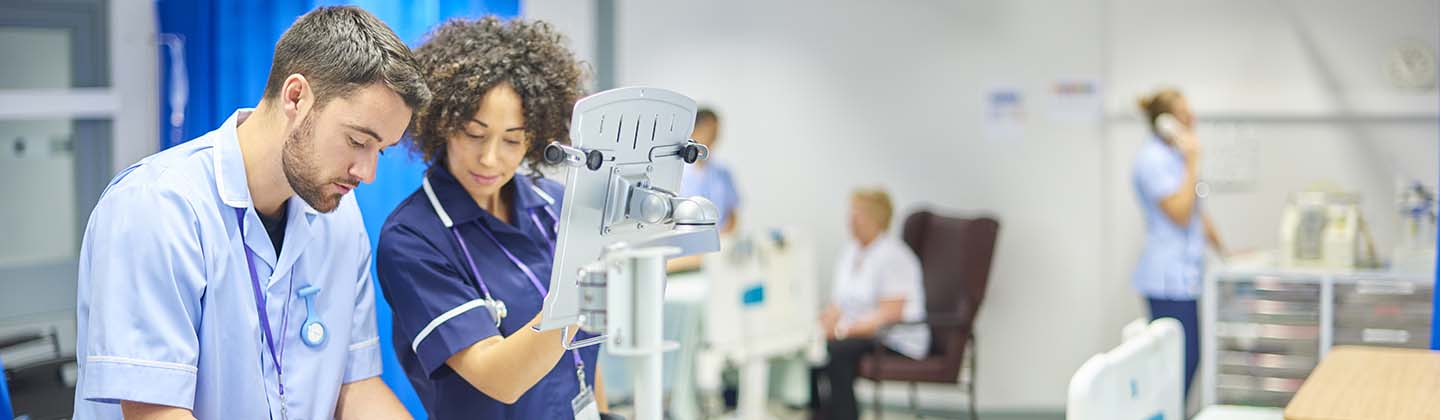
(298, 161)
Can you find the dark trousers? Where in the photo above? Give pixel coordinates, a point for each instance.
(832, 387)
(1187, 312)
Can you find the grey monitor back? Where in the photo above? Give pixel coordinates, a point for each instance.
(640, 131)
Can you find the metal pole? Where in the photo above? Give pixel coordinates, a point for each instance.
(648, 290)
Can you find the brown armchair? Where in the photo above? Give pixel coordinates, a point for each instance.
(955, 256)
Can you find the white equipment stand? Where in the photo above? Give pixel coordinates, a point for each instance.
(620, 220)
(761, 304)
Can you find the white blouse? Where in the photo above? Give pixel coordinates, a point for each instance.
(886, 269)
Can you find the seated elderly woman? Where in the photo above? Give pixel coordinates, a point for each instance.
(877, 284)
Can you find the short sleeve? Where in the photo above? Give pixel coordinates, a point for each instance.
(141, 277)
(363, 354)
(435, 307)
(731, 193)
(1155, 176)
(902, 278)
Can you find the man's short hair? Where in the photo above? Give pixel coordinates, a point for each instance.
(706, 113)
(340, 49)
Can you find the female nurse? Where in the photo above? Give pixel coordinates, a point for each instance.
(465, 260)
(1176, 227)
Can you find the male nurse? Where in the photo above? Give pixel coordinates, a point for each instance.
(228, 277)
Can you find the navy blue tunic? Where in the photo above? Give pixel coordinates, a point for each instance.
(427, 280)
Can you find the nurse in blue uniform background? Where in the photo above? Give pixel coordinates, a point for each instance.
(465, 260)
(1166, 174)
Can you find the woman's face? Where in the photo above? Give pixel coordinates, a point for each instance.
(1181, 110)
(862, 222)
(487, 150)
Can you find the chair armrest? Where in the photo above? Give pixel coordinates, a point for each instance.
(937, 320)
(946, 320)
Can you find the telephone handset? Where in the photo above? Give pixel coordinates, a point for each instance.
(1171, 129)
(1168, 126)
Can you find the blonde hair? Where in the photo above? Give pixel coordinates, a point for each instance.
(1162, 101)
(877, 201)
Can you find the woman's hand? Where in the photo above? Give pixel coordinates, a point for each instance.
(829, 319)
(1180, 203)
(887, 312)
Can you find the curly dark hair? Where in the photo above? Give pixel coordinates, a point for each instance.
(464, 58)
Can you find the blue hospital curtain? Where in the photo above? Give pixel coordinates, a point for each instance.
(227, 48)
(5, 411)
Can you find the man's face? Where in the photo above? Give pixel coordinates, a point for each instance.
(334, 146)
(705, 131)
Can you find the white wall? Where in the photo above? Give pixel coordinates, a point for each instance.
(817, 97)
(574, 18)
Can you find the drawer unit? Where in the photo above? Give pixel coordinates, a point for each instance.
(1258, 390)
(1277, 365)
(1266, 311)
(1413, 338)
(1383, 312)
(1383, 315)
(1269, 288)
(1381, 291)
(1265, 331)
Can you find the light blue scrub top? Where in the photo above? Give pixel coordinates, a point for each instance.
(714, 182)
(1173, 259)
(166, 309)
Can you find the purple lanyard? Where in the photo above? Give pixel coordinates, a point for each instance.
(260, 308)
(536, 219)
(534, 280)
